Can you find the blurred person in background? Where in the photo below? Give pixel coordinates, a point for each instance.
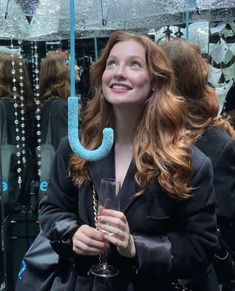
(213, 135)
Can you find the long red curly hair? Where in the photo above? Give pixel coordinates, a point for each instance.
(160, 150)
(191, 81)
(6, 79)
(54, 78)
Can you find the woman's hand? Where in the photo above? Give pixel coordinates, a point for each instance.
(88, 241)
(116, 224)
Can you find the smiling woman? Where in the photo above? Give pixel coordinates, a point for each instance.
(126, 78)
(94, 20)
(167, 184)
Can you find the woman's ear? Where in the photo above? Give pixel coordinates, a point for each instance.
(153, 86)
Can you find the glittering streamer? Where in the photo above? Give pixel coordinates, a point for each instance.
(35, 68)
(22, 109)
(16, 121)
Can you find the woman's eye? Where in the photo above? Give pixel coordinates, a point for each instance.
(111, 63)
(135, 64)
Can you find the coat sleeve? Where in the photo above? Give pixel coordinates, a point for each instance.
(60, 124)
(185, 252)
(58, 209)
(224, 171)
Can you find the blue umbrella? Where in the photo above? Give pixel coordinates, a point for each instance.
(73, 121)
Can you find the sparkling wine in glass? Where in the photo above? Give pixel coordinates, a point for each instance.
(109, 199)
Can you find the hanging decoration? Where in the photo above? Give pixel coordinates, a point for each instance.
(35, 67)
(22, 109)
(19, 112)
(179, 33)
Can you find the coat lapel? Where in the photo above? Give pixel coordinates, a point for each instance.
(105, 168)
(102, 169)
(128, 189)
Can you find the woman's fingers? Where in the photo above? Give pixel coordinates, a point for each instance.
(112, 230)
(88, 241)
(114, 218)
(84, 249)
(115, 224)
(114, 213)
(86, 232)
(116, 231)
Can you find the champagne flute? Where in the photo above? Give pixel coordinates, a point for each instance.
(108, 198)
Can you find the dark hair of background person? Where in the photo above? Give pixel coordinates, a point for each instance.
(6, 91)
(191, 79)
(54, 76)
(161, 122)
(215, 137)
(6, 79)
(229, 105)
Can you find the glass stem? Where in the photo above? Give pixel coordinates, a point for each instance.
(103, 260)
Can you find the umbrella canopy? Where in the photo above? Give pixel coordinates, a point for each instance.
(44, 20)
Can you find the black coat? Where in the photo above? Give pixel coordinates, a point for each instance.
(58, 117)
(220, 148)
(15, 195)
(9, 115)
(173, 238)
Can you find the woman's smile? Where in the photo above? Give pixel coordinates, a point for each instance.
(126, 78)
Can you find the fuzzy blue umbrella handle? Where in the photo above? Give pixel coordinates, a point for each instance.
(77, 148)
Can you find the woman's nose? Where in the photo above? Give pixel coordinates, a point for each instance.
(120, 71)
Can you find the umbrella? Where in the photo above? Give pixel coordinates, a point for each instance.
(50, 19)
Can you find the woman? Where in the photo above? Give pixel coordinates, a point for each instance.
(16, 135)
(166, 229)
(213, 135)
(54, 92)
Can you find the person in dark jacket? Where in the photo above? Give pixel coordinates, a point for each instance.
(212, 134)
(54, 80)
(41, 259)
(166, 227)
(54, 83)
(16, 174)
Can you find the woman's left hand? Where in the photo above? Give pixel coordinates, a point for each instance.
(116, 224)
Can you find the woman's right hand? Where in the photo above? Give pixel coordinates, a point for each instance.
(88, 241)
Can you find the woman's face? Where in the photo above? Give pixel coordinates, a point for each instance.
(77, 73)
(126, 78)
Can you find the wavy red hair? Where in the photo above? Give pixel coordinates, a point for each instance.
(160, 149)
(54, 76)
(6, 79)
(191, 80)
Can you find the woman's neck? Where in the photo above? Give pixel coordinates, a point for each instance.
(124, 135)
(125, 127)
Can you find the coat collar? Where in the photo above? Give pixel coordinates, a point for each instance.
(105, 168)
